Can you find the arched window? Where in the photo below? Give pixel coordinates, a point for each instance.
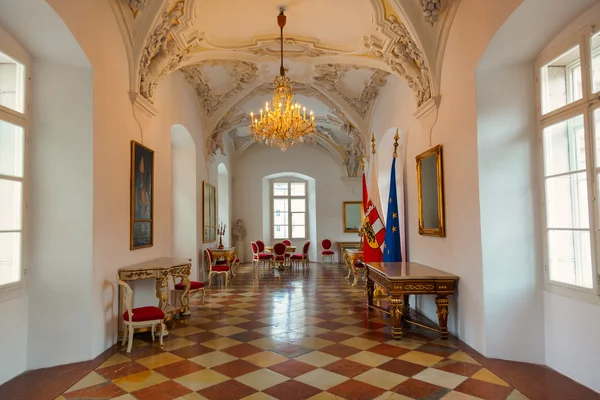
(289, 208)
(568, 87)
(13, 129)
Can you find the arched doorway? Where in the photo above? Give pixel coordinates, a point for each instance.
(223, 201)
(183, 161)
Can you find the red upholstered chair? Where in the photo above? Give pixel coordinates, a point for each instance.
(258, 257)
(139, 317)
(214, 268)
(327, 252)
(261, 246)
(286, 242)
(279, 250)
(287, 254)
(302, 258)
(195, 287)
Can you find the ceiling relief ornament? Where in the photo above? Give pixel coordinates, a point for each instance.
(292, 48)
(330, 76)
(162, 54)
(431, 10)
(403, 57)
(234, 118)
(242, 73)
(136, 5)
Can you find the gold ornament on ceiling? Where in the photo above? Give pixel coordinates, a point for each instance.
(283, 123)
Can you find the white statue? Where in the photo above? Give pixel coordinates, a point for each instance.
(351, 162)
(238, 231)
(215, 142)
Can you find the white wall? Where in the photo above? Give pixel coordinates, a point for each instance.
(311, 160)
(184, 240)
(224, 203)
(59, 243)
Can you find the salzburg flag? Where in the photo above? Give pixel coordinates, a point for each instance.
(373, 225)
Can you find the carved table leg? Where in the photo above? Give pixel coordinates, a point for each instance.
(347, 262)
(162, 293)
(185, 297)
(441, 303)
(370, 290)
(396, 306)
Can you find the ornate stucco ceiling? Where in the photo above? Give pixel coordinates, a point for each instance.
(338, 53)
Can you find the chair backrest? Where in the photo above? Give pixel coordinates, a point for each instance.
(305, 248)
(208, 259)
(279, 249)
(326, 243)
(254, 249)
(127, 297)
(261, 246)
(286, 242)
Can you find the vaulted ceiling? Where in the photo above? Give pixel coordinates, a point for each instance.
(338, 54)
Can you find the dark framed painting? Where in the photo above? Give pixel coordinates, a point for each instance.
(142, 196)
(209, 215)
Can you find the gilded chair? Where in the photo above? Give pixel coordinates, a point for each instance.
(258, 257)
(288, 255)
(327, 252)
(195, 287)
(139, 317)
(214, 268)
(301, 258)
(279, 251)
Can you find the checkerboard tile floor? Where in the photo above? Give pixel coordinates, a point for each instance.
(290, 335)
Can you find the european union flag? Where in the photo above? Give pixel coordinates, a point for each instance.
(392, 251)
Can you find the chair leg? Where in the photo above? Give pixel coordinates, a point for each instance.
(130, 339)
(209, 280)
(162, 333)
(153, 331)
(226, 278)
(203, 293)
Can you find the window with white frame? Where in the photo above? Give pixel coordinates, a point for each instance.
(12, 169)
(289, 210)
(570, 146)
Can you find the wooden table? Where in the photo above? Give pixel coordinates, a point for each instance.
(403, 279)
(159, 269)
(352, 256)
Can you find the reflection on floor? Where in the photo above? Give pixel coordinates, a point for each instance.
(292, 335)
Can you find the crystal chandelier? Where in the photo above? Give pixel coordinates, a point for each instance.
(283, 123)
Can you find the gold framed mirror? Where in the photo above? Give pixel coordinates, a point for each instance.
(209, 215)
(430, 192)
(352, 216)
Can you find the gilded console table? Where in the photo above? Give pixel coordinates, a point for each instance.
(342, 246)
(352, 256)
(227, 253)
(160, 269)
(401, 279)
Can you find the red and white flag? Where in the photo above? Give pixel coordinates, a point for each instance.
(374, 227)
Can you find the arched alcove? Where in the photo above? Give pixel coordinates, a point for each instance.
(184, 229)
(223, 202)
(58, 220)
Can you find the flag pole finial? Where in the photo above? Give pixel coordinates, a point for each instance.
(373, 143)
(396, 144)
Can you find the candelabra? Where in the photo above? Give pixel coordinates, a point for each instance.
(221, 232)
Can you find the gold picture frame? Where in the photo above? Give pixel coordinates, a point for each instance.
(209, 212)
(141, 197)
(430, 192)
(353, 213)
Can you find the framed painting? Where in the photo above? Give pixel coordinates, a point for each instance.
(209, 214)
(352, 216)
(142, 196)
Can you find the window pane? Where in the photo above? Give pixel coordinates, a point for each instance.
(564, 147)
(561, 81)
(567, 201)
(280, 218)
(597, 135)
(298, 188)
(298, 232)
(280, 189)
(10, 205)
(11, 149)
(10, 257)
(298, 219)
(595, 46)
(280, 232)
(280, 205)
(570, 257)
(12, 83)
(298, 205)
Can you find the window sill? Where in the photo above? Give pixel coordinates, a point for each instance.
(573, 292)
(12, 291)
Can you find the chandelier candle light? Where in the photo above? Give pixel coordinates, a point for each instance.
(221, 232)
(283, 123)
